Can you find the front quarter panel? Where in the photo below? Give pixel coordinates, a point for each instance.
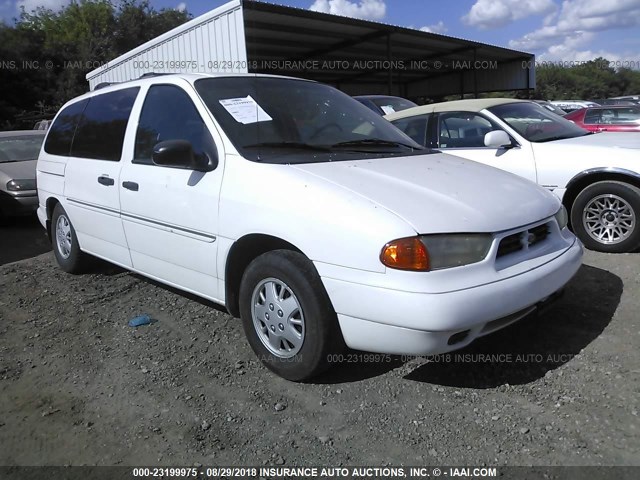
(559, 162)
(327, 223)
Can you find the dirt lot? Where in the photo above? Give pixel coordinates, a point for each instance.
(79, 386)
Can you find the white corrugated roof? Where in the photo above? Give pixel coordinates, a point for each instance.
(358, 56)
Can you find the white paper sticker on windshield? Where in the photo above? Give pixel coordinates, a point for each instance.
(387, 109)
(245, 110)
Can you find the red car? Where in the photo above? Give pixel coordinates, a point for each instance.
(608, 118)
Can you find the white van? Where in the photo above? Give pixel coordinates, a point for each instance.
(303, 212)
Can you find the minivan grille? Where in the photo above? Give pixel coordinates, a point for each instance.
(538, 234)
(525, 239)
(510, 244)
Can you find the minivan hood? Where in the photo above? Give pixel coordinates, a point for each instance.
(439, 193)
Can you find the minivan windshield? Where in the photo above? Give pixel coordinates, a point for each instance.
(281, 120)
(535, 123)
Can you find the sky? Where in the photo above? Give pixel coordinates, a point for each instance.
(554, 30)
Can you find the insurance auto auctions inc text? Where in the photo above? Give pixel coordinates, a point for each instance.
(375, 472)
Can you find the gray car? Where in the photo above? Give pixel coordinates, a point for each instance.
(18, 155)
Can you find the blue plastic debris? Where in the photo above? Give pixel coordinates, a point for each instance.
(140, 320)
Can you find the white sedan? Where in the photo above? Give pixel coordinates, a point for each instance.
(597, 176)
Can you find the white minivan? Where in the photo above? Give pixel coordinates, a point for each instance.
(303, 212)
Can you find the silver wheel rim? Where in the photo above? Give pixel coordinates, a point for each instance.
(277, 318)
(609, 219)
(63, 236)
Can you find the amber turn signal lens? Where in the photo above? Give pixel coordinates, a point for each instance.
(406, 254)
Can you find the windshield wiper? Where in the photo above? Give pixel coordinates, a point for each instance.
(373, 142)
(292, 145)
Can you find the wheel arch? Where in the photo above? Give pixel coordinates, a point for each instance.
(588, 177)
(242, 253)
(50, 205)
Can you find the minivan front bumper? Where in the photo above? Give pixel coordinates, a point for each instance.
(445, 321)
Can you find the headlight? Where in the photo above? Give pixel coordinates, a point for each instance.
(21, 185)
(562, 217)
(435, 252)
(406, 254)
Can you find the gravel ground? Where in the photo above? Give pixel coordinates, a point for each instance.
(80, 387)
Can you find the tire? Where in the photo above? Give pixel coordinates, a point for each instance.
(605, 217)
(64, 243)
(287, 315)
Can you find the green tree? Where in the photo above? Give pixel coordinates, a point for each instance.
(628, 81)
(137, 22)
(23, 85)
(72, 39)
(53, 51)
(591, 80)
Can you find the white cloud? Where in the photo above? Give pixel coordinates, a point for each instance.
(580, 16)
(435, 28)
(365, 9)
(565, 55)
(568, 35)
(551, 18)
(181, 7)
(575, 49)
(31, 5)
(487, 14)
(549, 35)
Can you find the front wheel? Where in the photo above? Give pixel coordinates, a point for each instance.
(65, 243)
(605, 217)
(287, 315)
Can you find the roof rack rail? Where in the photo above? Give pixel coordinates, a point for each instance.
(152, 74)
(144, 75)
(104, 85)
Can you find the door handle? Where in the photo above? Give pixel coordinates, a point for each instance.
(104, 180)
(130, 186)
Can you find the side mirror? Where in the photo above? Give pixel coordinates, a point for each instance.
(497, 139)
(179, 154)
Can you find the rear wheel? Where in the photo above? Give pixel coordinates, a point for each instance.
(65, 243)
(287, 315)
(605, 217)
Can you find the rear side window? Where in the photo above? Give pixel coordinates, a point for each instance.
(100, 134)
(61, 132)
(169, 114)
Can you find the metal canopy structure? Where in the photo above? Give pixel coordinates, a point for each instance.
(357, 56)
(362, 57)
